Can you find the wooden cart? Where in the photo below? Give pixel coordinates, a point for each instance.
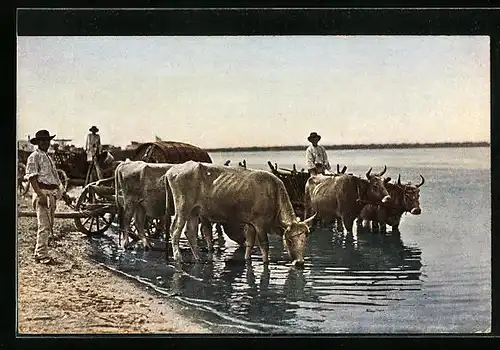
(95, 210)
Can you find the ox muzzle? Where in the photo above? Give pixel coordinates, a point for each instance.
(416, 211)
(298, 263)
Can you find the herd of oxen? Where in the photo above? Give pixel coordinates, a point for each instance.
(249, 204)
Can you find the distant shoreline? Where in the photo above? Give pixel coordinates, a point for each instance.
(349, 147)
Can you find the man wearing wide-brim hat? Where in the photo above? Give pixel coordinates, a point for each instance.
(93, 148)
(47, 188)
(316, 157)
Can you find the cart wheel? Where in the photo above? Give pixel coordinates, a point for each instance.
(95, 224)
(153, 228)
(64, 178)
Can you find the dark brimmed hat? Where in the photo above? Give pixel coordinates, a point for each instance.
(41, 135)
(94, 128)
(313, 136)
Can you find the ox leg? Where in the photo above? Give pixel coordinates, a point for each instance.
(249, 241)
(382, 227)
(220, 235)
(128, 212)
(263, 245)
(339, 226)
(348, 222)
(359, 223)
(395, 229)
(206, 229)
(140, 223)
(365, 225)
(166, 222)
(191, 232)
(175, 234)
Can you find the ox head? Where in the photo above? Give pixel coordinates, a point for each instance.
(411, 195)
(376, 190)
(294, 240)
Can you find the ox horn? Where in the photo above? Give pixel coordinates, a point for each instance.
(310, 219)
(383, 171)
(338, 169)
(227, 162)
(423, 181)
(368, 173)
(399, 179)
(343, 169)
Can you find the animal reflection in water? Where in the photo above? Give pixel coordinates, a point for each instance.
(341, 269)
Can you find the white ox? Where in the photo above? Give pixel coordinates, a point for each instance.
(233, 196)
(139, 192)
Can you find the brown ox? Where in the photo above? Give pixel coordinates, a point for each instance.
(343, 196)
(234, 196)
(405, 198)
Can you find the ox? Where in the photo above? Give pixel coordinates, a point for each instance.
(343, 196)
(143, 194)
(139, 192)
(236, 197)
(405, 198)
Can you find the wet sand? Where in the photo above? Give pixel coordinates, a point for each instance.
(79, 296)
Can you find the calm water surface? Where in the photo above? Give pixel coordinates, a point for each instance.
(435, 277)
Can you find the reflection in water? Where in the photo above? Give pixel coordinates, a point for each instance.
(343, 273)
(294, 284)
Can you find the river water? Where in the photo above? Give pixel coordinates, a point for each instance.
(433, 278)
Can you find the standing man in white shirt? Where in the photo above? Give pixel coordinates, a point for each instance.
(42, 175)
(93, 148)
(316, 157)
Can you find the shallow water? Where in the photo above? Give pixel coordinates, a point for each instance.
(433, 278)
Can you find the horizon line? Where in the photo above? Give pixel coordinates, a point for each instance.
(358, 146)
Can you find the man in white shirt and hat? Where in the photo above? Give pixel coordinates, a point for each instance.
(316, 157)
(42, 175)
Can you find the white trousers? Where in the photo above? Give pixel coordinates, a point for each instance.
(45, 218)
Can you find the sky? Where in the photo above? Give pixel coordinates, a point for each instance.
(239, 91)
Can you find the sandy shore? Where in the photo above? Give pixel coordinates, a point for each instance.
(78, 296)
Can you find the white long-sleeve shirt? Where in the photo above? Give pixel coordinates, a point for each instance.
(93, 145)
(316, 155)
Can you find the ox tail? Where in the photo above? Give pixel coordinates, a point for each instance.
(119, 206)
(170, 206)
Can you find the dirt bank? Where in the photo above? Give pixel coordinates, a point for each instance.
(78, 296)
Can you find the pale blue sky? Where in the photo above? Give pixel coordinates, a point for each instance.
(256, 90)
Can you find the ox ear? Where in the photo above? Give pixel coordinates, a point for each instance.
(309, 220)
(387, 179)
